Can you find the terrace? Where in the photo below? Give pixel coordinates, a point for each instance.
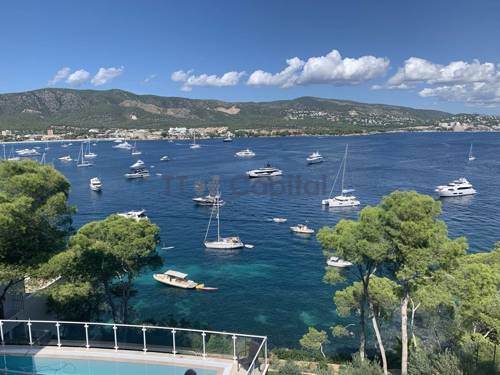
(28, 345)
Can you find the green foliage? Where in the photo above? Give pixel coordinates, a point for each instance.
(219, 344)
(77, 301)
(314, 340)
(289, 368)
(426, 362)
(109, 255)
(340, 331)
(297, 355)
(35, 219)
(361, 367)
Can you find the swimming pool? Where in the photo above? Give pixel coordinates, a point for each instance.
(16, 364)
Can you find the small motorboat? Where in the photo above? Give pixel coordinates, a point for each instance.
(66, 158)
(176, 279)
(138, 164)
(95, 184)
(123, 146)
(315, 158)
(249, 246)
(245, 153)
(204, 288)
(164, 158)
(279, 220)
(338, 262)
(135, 215)
(302, 229)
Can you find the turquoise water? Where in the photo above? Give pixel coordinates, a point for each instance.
(276, 288)
(65, 366)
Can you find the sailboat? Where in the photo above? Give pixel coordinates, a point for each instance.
(222, 243)
(194, 144)
(89, 154)
(345, 199)
(47, 148)
(135, 151)
(12, 156)
(81, 162)
(471, 157)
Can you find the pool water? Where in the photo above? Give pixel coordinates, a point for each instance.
(13, 364)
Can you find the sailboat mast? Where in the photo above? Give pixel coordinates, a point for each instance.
(218, 217)
(343, 170)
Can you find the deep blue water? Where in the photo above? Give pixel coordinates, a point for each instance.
(276, 288)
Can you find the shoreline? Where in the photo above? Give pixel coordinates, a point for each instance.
(252, 136)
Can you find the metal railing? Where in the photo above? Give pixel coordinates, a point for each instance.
(249, 352)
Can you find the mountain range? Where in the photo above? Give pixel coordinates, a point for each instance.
(39, 109)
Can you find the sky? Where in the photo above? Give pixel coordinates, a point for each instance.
(426, 54)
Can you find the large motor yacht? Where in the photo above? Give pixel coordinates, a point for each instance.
(95, 184)
(266, 171)
(456, 188)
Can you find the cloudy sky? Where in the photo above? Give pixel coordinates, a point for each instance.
(429, 54)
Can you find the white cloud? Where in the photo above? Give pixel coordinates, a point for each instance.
(417, 70)
(149, 78)
(78, 77)
(329, 69)
(106, 75)
(473, 83)
(190, 80)
(61, 74)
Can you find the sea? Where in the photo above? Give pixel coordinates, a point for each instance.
(275, 288)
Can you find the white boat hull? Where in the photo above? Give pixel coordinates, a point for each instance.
(314, 161)
(224, 245)
(456, 193)
(189, 284)
(259, 175)
(332, 202)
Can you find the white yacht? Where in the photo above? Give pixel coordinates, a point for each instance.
(302, 229)
(194, 145)
(245, 153)
(315, 158)
(27, 152)
(208, 200)
(66, 158)
(138, 164)
(456, 188)
(88, 153)
(137, 173)
(471, 156)
(174, 278)
(135, 215)
(345, 199)
(221, 243)
(81, 162)
(266, 171)
(338, 262)
(123, 146)
(95, 184)
(228, 138)
(164, 158)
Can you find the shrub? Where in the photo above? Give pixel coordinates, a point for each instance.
(360, 367)
(289, 369)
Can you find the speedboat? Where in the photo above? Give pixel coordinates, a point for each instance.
(221, 243)
(174, 278)
(137, 173)
(66, 158)
(302, 229)
(267, 171)
(314, 158)
(123, 146)
(27, 152)
(227, 139)
(338, 262)
(138, 164)
(456, 188)
(208, 200)
(245, 153)
(135, 215)
(95, 184)
(279, 220)
(345, 199)
(164, 158)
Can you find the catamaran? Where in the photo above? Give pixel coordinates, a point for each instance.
(345, 199)
(222, 243)
(89, 154)
(81, 162)
(471, 157)
(194, 144)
